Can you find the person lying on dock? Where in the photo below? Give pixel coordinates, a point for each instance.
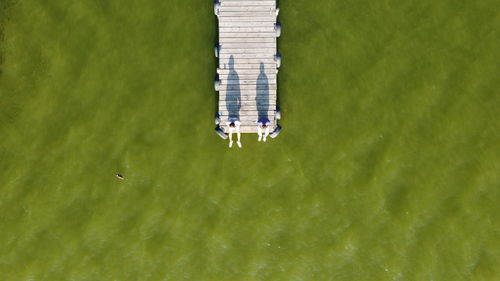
(263, 126)
(233, 125)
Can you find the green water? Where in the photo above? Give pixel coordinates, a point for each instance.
(386, 169)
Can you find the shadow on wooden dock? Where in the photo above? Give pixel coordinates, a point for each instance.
(233, 96)
(262, 96)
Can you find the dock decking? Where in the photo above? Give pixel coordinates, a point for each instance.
(247, 69)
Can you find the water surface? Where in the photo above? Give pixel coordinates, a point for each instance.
(386, 169)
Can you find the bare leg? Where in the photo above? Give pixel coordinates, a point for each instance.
(230, 139)
(239, 138)
(259, 132)
(267, 133)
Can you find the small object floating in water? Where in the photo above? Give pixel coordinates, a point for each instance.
(120, 176)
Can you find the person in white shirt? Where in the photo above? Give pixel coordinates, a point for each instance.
(233, 125)
(263, 128)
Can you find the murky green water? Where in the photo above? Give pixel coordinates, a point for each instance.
(387, 167)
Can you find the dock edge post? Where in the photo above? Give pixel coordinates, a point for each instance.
(277, 28)
(217, 8)
(276, 132)
(217, 83)
(220, 132)
(277, 59)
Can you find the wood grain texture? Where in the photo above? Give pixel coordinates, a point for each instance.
(247, 69)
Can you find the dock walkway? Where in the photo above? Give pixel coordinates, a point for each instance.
(248, 62)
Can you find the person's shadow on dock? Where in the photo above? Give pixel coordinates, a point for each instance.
(233, 92)
(262, 97)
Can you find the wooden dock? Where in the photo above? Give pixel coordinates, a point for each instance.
(248, 62)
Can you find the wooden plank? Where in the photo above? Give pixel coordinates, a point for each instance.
(247, 100)
(223, 103)
(248, 131)
(240, 66)
(232, 80)
(268, 13)
(253, 35)
(244, 89)
(242, 5)
(264, 24)
(245, 0)
(246, 29)
(242, 74)
(223, 18)
(226, 40)
(271, 102)
(253, 117)
(264, 8)
(247, 122)
(246, 56)
(249, 93)
(246, 119)
(245, 131)
(245, 96)
(247, 3)
(249, 125)
(247, 76)
(247, 87)
(249, 72)
(248, 97)
(251, 61)
(247, 45)
(223, 77)
(224, 111)
(246, 107)
(246, 82)
(250, 122)
(262, 34)
(252, 102)
(249, 115)
(246, 23)
(254, 66)
(268, 72)
(262, 51)
(250, 112)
